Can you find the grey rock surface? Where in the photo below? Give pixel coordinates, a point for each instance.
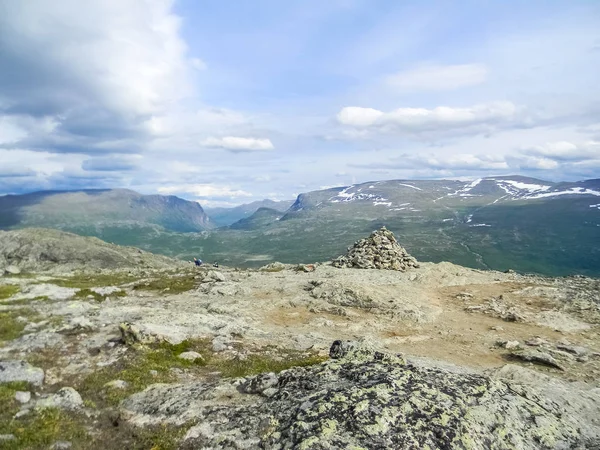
(369, 399)
(22, 397)
(66, 398)
(190, 356)
(20, 371)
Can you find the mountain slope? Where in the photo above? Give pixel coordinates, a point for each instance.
(228, 216)
(261, 218)
(93, 209)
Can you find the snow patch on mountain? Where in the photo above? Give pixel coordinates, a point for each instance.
(572, 191)
(410, 186)
(345, 196)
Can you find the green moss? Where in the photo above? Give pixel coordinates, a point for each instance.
(85, 293)
(172, 284)
(42, 428)
(10, 327)
(8, 290)
(135, 368)
(158, 438)
(87, 281)
(39, 429)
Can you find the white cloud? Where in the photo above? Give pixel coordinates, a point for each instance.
(204, 191)
(123, 55)
(422, 119)
(438, 77)
(239, 144)
(566, 151)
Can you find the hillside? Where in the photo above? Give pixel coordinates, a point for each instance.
(37, 250)
(95, 209)
(261, 218)
(227, 216)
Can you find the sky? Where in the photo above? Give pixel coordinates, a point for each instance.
(230, 102)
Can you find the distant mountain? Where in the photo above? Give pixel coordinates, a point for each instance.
(227, 216)
(97, 209)
(262, 217)
(500, 223)
(497, 222)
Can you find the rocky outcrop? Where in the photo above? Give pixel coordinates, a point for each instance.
(379, 251)
(363, 398)
(37, 249)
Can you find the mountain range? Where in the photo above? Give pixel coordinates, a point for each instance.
(502, 223)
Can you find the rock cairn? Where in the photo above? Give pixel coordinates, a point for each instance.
(379, 251)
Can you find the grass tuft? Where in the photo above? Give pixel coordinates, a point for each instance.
(10, 327)
(8, 290)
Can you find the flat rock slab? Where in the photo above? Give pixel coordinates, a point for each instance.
(11, 371)
(34, 341)
(51, 291)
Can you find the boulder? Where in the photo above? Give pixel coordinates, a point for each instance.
(191, 356)
(12, 270)
(22, 397)
(66, 398)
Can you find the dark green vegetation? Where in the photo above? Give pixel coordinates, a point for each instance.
(493, 224)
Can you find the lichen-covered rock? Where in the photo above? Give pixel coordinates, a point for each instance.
(20, 371)
(66, 398)
(148, 333)
(367, 399)
(191, 356)
(379, 251)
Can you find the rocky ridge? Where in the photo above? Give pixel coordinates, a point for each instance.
(379, 251)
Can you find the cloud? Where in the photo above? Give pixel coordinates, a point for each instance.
(438, 77)
(96, 74)
(566, 151)
(423, 119)
(460, 162)
(122, 55)
(239, 144)
(205, 191)
(521, 162)
(16, 172)
(110, 164)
